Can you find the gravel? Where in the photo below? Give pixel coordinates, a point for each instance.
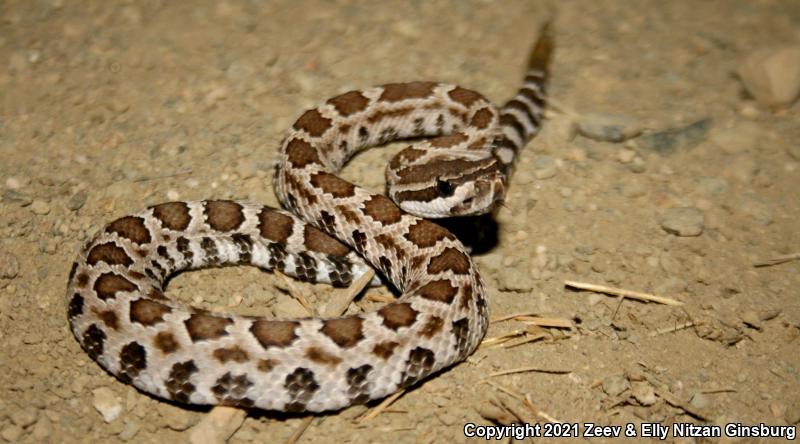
(682, 221)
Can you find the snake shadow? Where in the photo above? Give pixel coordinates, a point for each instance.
(478, 233)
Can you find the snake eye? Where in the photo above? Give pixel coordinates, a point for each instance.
(444, 188)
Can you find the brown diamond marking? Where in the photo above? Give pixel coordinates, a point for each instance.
(301, 385)
(345, 332)
(231, 390)
(450, 259)
(440, 291)
(274, 333)
(178, 383)
(316, 240)
(131, 228)
(109, 253)
(224, 215)
(274, 226)
(332, 185)
(408, 155)
(359, 385)
(320, 356)
(148, 312)
(93, 341)
(301, 153)
(466, 297)
(266, 365)
(419, 364)
(349, 103)
(75, 306)
(426, 234)
(82, 280)
(132, 360)
(234, 353)
(201, 326)
(108, 317)
(482, 118)
(173, 215)
(394, 92)
(108, 284)
(384, 350)
(398, 315)
(464, 96)
(165, 341)
(431, 327)
(424, 195)
(382, 209)
(448, 141)
(313, 123)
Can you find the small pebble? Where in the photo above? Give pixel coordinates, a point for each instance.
(16, 196)
(683, 221)
(751, 319)
(608, 127)
(106, 402)
(129, 430)
(792, 415)
(644, 393)
(615, 385)
(13, 183)
(287, 307)
(9, 266)
(699, 401)
(77, 200)
(772, 75)
(544, 167)
(40, 207)
(676, 139)
(11, 433)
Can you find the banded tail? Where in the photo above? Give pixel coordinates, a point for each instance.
(521, 117)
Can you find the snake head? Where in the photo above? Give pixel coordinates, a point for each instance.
(449, 186)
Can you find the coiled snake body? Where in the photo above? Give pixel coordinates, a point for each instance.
(118, 312)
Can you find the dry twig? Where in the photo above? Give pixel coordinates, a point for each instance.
(630, 294)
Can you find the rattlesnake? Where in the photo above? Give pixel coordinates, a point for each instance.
(118, 312)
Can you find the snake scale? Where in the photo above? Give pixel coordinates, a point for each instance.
(115, 297)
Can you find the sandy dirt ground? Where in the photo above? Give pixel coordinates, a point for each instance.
(108, 107)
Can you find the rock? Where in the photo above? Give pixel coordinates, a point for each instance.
(685, 221)
(544, 167)
(288, 307)
(9, 266)
(18, 197)
(751, 319)
(615, 385)
(741, 137)
(699, 401)
(106, 402)
(11, 433)
(608, 127)
(176, 418)
(644, 393)
(792, 415)
(40, 207)
(129, 430)
(24, 417)
(77, 200)
(772, 75)
(671, 140)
